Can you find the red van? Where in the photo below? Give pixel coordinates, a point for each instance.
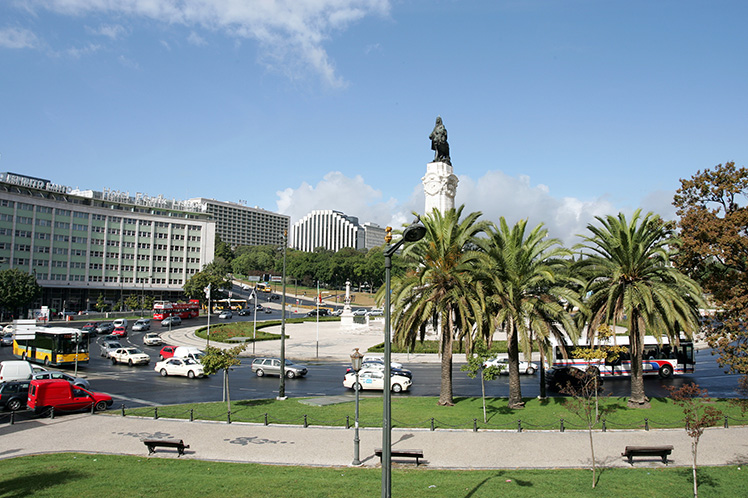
(63, 396)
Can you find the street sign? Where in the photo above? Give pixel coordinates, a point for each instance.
(254, 278)
(276, 278)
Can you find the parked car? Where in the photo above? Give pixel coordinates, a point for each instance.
(76, 381)
(172, 321)
(142, 325)
(61, 395)
(13, 394)
(166, 352)
(226, 315)
(18, 370)
(90, 327)
(272, 366)
(119, 332)
(374, 379)
(320, 312)
(6, 340)
(186, 367)
(244, 312)
(104, 328)
(525, 367)
(131, 356)
(107, 347)
(152, 339)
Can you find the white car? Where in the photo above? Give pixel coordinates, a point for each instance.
(152, 339)
(503, 366)
(374, 379)
(226, 315)
(186, 367)
(377, 364)
(359, 312)
(131, 356)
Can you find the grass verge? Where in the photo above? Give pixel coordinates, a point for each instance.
(74, 475)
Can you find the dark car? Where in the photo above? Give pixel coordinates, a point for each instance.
(13, 395)
(90, 327)
(244, 311)
(318, 312)
(567, 380)
(105, 328)
(6, 340)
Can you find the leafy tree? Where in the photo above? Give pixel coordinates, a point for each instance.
(526, 291)
(474, 367)
(101, 305)
(148, 302)
(698, 414)
(439, 288)
(195, 286)
(132, 301)
(18, 289)
(629, 277)
(216, 359)
(714, 229)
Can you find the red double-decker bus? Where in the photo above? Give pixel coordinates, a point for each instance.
(164, 309)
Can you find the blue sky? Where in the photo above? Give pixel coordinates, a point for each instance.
(557, 111)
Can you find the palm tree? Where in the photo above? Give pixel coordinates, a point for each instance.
(527, 293)
(439, 289)
(629, 277)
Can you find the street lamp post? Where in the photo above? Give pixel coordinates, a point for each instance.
(415, 232)
(282, 389)
(356, 361)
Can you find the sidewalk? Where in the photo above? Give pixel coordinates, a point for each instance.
(324, 446)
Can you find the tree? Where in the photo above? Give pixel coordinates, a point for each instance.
(132, 301)
(439, 288)
(698, 414)
(714, 229)
(626, 265)
(475, 366)
(195, 286)
(101, 305)
(18, 290)
(526, 280)
(216, 359)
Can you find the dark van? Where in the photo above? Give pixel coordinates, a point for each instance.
(61, 395)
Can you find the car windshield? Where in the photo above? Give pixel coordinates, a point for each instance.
(133, 351)
(189, 361)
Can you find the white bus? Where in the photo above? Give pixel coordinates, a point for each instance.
(658, 358)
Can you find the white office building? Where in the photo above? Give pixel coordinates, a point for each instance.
(239, 225)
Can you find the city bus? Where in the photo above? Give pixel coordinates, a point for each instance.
(658, 358)
(56, 346)
(164, 309)
(230, 304)
(263, 287)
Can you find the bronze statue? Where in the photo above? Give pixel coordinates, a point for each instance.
(439, 143)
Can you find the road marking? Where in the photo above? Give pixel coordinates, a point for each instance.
(136, 400)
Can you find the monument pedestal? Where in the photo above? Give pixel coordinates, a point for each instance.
(439, 186)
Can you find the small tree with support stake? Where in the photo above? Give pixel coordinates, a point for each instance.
(216, 359)
(475, 367)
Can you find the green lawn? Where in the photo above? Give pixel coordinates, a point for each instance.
(412, 411)
(75, 475)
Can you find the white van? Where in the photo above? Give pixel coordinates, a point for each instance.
(18, 370)
(120, 322)
(189, 352)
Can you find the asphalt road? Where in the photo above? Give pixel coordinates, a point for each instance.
(143, 386)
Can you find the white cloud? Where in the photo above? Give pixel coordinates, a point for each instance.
(113, 31)
(495, 195)
(79, 52)
(128, 63)
(17, 38)
(291, 32)
(196, 40)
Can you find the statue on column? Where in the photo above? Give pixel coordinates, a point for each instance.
(439, 143)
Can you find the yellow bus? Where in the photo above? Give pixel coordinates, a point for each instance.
(51, 345)
(264, 287)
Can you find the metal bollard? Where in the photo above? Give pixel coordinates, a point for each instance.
(306, 424)
(123, 409)
(266, 419)
(347, 421)
(519, 425)
(12, 418)
(646, 424)
(605, 427)
(155, 413)
(228, 416)
(562, 425)
(726, 424)
(51, 413)
(192, 414)
(475, 425)
(93, 408)
(432, 423)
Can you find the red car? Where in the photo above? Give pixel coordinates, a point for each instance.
(61, 395)
(120, 332)
(166, 352)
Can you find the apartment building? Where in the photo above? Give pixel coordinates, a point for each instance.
(239, 225)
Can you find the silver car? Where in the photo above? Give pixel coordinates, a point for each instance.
(107, 347)
(142, 325)
(272, 366)
(76, 381)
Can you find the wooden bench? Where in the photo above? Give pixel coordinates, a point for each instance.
(660, 451)
(417, 454)
(165, 443)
